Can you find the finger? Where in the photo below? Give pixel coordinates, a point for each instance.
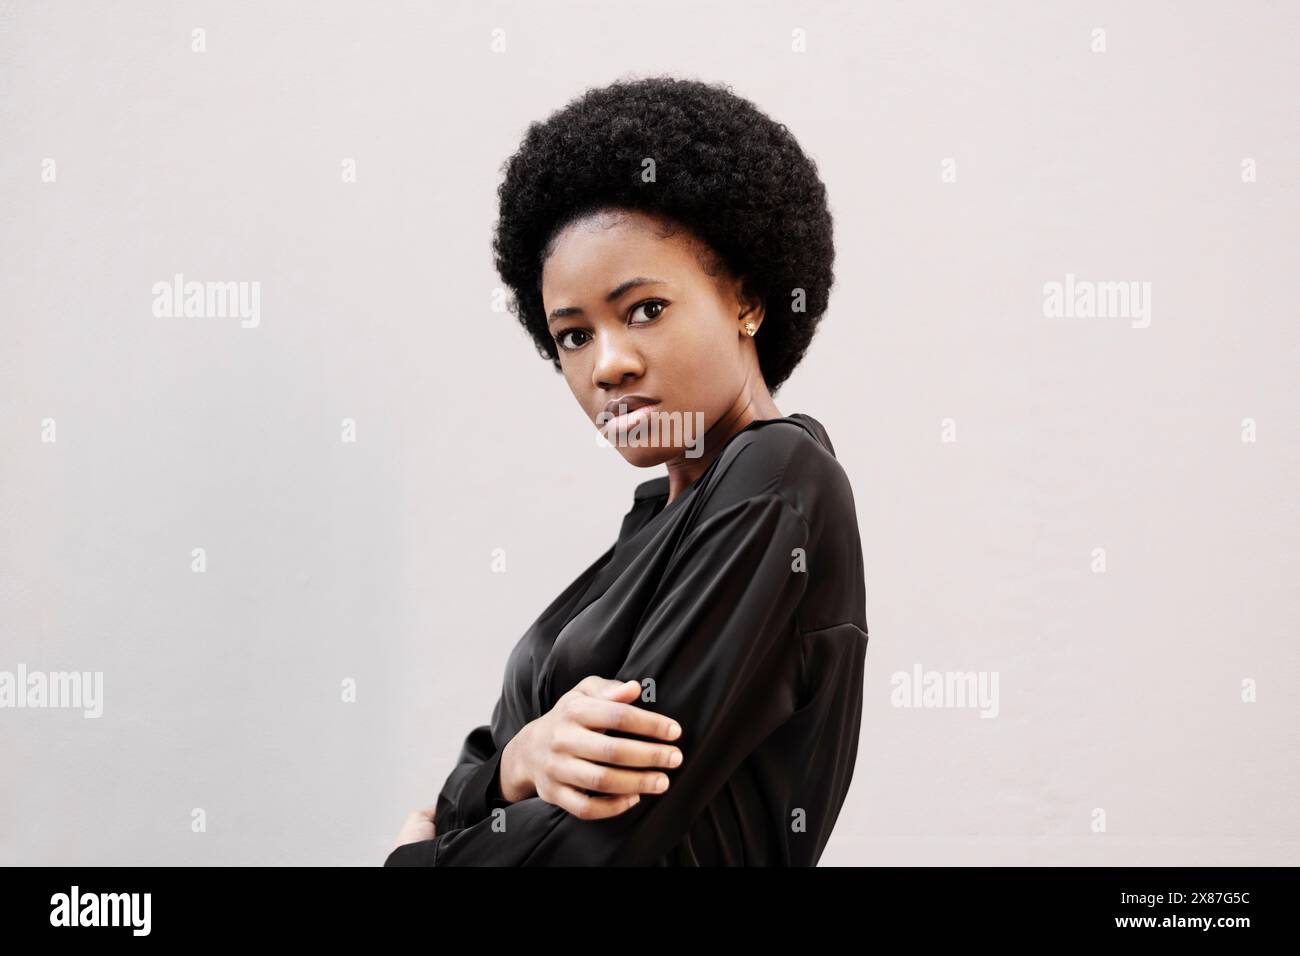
(586, 775)
(596, 686)
(588, 807)
(626, 718)
(619, 751)
(623, 690)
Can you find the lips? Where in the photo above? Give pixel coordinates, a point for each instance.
(627, 404)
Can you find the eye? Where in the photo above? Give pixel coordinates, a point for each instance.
(560, 339)
(652, 309)
(657, 304)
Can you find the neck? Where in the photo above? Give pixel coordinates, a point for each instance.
(753, 404)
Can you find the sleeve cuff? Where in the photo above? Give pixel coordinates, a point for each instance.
(482, 792)
(423, 853)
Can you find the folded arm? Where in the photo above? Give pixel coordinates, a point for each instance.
(720, 650)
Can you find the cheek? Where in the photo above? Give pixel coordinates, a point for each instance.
(700, 358)
(579, 382)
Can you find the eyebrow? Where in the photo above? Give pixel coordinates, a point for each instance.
(613, 294)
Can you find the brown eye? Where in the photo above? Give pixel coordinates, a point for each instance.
(657, 305)
(560, 339)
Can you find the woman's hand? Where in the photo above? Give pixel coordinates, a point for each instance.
(564, 752)
(418, 826)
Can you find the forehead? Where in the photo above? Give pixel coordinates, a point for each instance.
(601, 247)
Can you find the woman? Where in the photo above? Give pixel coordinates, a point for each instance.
(694, 697)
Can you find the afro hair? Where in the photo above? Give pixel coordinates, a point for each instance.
(726, 171)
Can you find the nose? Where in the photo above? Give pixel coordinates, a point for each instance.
(617, 359)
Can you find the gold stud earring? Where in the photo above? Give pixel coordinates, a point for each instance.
(751, 328)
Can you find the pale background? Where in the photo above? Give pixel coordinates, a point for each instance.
(371, 561)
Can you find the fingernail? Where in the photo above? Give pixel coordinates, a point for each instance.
(674, 758)
(661, 784)
(674, 730)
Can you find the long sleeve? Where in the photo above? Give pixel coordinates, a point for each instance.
(720, 645)
(473, 788)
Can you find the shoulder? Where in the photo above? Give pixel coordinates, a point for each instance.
(782, 458)
(792, 467)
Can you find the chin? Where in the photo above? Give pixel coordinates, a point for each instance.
(647, 457)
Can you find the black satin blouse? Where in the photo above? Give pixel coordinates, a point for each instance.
(742, 604)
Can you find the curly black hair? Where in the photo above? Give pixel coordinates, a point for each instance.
(726, 171)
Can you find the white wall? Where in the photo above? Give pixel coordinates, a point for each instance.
(329, 561)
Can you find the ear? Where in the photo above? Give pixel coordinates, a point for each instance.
(750, 302)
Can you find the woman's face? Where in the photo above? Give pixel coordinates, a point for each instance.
(636, 314)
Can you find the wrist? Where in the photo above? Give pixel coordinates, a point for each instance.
(514, 780)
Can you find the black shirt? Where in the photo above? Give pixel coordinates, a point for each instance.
(743, 601)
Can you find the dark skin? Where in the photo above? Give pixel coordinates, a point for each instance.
(689, 349)
(680, 340)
